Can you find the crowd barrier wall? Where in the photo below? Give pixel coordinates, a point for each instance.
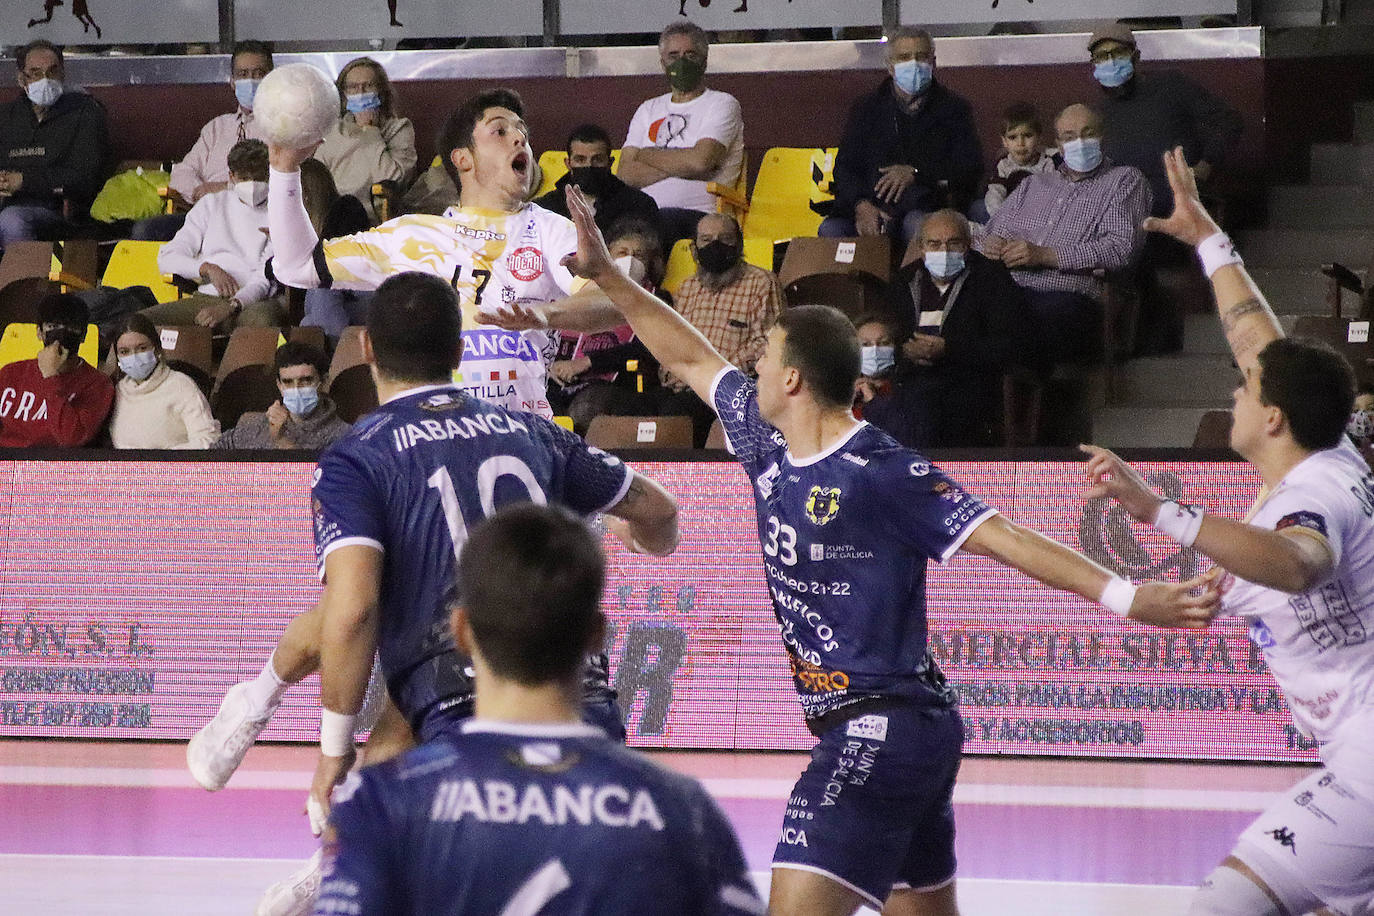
(133, 593)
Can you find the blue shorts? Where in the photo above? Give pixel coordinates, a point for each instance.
(873, 811)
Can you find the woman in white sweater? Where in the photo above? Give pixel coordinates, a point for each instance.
(155, 406)
(369, 143)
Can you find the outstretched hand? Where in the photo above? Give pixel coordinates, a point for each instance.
(1111, 478)
(592, 259)
(1190, 605)
(1190, 222)
(515, 317)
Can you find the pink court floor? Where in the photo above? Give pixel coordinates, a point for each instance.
(121, 828)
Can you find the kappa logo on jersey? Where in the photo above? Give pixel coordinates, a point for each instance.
(919, 468)
(526, 264)
(823, 504)
(482, 235)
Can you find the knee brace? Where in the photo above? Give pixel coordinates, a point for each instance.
(1226, 892)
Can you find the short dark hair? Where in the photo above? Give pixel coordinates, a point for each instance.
(416, 327)
(21, 56)
(457, 130)
(633, 226)
(530, 580)
(295, 353)
(822, 344)
(1312, 385)
(248, 159)
(65, 310)
(588, 133)
(252, 46)
(138, 323)
(1022, 114)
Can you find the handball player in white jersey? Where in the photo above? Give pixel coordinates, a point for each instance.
(1300, 571)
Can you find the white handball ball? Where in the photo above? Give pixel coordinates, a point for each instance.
(295, 105)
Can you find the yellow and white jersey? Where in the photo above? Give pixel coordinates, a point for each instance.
(493, 259)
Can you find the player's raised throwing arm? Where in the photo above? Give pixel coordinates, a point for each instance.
(1165, 604)
(293, 237)
(677, 345)
(1245, 316)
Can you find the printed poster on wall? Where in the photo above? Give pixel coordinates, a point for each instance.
(957, 12)
(590, 17)
(94, 22)
(325, 20)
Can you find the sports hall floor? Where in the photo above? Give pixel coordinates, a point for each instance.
(120, 828)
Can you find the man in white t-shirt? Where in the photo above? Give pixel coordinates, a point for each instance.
(683, 139)
(1300, 570)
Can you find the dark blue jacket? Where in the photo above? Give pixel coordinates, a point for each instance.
(69, 149)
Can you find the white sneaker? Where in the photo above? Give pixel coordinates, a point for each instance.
(217, 749)
(294, 896)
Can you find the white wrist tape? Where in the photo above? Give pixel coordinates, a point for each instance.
(1179, 522)
(336, 733)
(1119, 595)
(1217, 251)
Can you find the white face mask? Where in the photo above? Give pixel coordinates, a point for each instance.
(634, 268)
(45, 92)
(253, 193)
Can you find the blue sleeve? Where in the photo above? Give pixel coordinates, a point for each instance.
(929, 511)
(729, 887)
(346, 506)
(736, 401)
(593, 480)
(358, 874)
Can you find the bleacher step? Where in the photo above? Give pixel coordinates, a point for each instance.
(1306, 247)
(1296, 290)
(1342, 163)
(1146, 427)
(1202, 335)
(1179, 380)
(1336, 206)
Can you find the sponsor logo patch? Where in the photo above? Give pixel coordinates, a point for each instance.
(871, 728)
(526, 264)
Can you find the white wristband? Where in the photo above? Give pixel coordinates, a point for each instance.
(1119, 595)
(336, 733)
(1179, 522)
(1217, 251)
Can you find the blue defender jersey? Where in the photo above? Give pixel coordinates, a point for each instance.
(529, 819)
(846, 535)
(411, 479)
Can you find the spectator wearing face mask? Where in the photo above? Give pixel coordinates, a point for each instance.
(612, 372)
(370, 142)
(304, 418)
(155, 405)
(1361, 425)
(204, 170)
(910, 147)
(732, 303)
(224, 246)
(589, 167)
(964, 325)
(57, 398)
(682, 140)
(51, 139)
(878, 335)
(1059, 227)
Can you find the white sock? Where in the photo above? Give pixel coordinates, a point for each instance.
(265, 690)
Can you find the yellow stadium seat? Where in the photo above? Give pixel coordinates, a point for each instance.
(135, 264)
(681, 265)
(790, 180)
(20, 342)
(733, 200)
(565, 422)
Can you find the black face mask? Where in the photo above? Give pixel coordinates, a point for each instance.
(69, 338)
(592, 179)
(718, 257)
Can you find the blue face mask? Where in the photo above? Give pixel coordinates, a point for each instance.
(363, 101)
(913, 76)
(874, 361)
(944, 264)
(244, 90)
(138, 366)
(1114, 71)
(300, 401)
(1082, 155)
